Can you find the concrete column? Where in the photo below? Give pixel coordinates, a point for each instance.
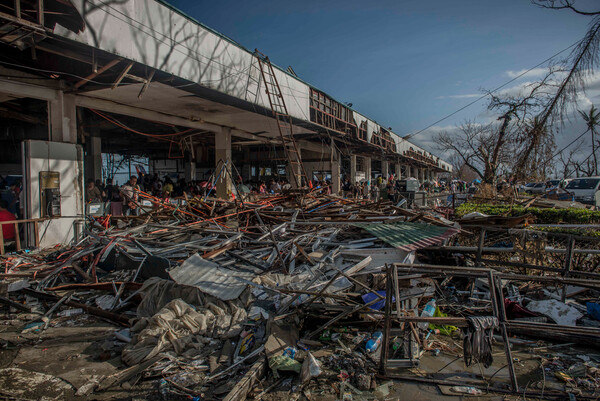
(336, 185)
(223, 154)
(190, 170)
(63, 118)
(367, 164)
(93, 159)
(385, 169)
(398, 171)
(353, 169)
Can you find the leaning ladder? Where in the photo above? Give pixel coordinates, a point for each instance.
(284, 120)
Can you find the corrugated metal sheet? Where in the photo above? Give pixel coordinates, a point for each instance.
(408, 236)
(210, 278)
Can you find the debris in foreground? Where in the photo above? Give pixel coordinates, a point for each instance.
(302, 297)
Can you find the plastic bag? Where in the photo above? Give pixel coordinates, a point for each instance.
(447, 329)
(310, 368)
(283, 363)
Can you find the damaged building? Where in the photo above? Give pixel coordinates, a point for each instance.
(304, 294)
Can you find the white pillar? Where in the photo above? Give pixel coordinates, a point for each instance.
(93, 158)
(190, 170)
(63, 118)
(223, 154)
(398, 171)
(367, 168)
(385, 169)
(353, 169)
(335, 171)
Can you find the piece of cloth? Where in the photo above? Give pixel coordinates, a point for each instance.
(178, 326)
(514, 310)
(593, 309)
(8, 230)
(370, 297)
(444, 329)
(477, 342)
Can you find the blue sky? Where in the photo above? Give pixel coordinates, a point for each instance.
(404, 64)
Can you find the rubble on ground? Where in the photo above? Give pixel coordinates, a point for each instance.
(303, 296)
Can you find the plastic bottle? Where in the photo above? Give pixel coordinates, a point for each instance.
(374, 342)
(396, 344)
(428, 311)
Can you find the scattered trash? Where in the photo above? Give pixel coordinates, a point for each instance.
(305, 294)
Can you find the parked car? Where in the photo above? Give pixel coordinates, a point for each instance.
(552, 184)
(565, 182)
(585, 190)
(537, 188)
(525, 188)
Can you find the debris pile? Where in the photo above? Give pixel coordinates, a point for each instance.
(301, 296)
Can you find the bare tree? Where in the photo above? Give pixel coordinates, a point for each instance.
(568, 162)
(475, 145)
(460, 170)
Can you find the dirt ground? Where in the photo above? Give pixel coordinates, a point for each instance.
(54, 364)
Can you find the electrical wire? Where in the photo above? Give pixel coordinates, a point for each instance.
(495, 90)
(52, 72)
(156, 136)
(564, 148)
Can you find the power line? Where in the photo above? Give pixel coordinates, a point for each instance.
(495, 90)
(563, 149)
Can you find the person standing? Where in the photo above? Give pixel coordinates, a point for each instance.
(8, 230)
(111, 191)
(130, 193)
(12, 198)
(92, 192)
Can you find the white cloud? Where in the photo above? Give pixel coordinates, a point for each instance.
(465, 96)
(535, 72)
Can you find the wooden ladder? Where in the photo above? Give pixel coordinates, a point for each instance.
(283, 119)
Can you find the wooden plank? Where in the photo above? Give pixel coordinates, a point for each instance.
(1, 241)
(40, 10)
(146, 84)
(36, 229)
(98, 72)
(242, 388)
(122, 75)
(17, 236)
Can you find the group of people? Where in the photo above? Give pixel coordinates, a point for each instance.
(127, 195)
(380, 188)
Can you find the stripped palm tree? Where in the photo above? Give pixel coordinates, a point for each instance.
(592, 120)
(580, 64)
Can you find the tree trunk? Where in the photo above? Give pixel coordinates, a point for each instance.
(594, 151)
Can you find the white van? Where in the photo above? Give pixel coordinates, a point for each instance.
(585, 190)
